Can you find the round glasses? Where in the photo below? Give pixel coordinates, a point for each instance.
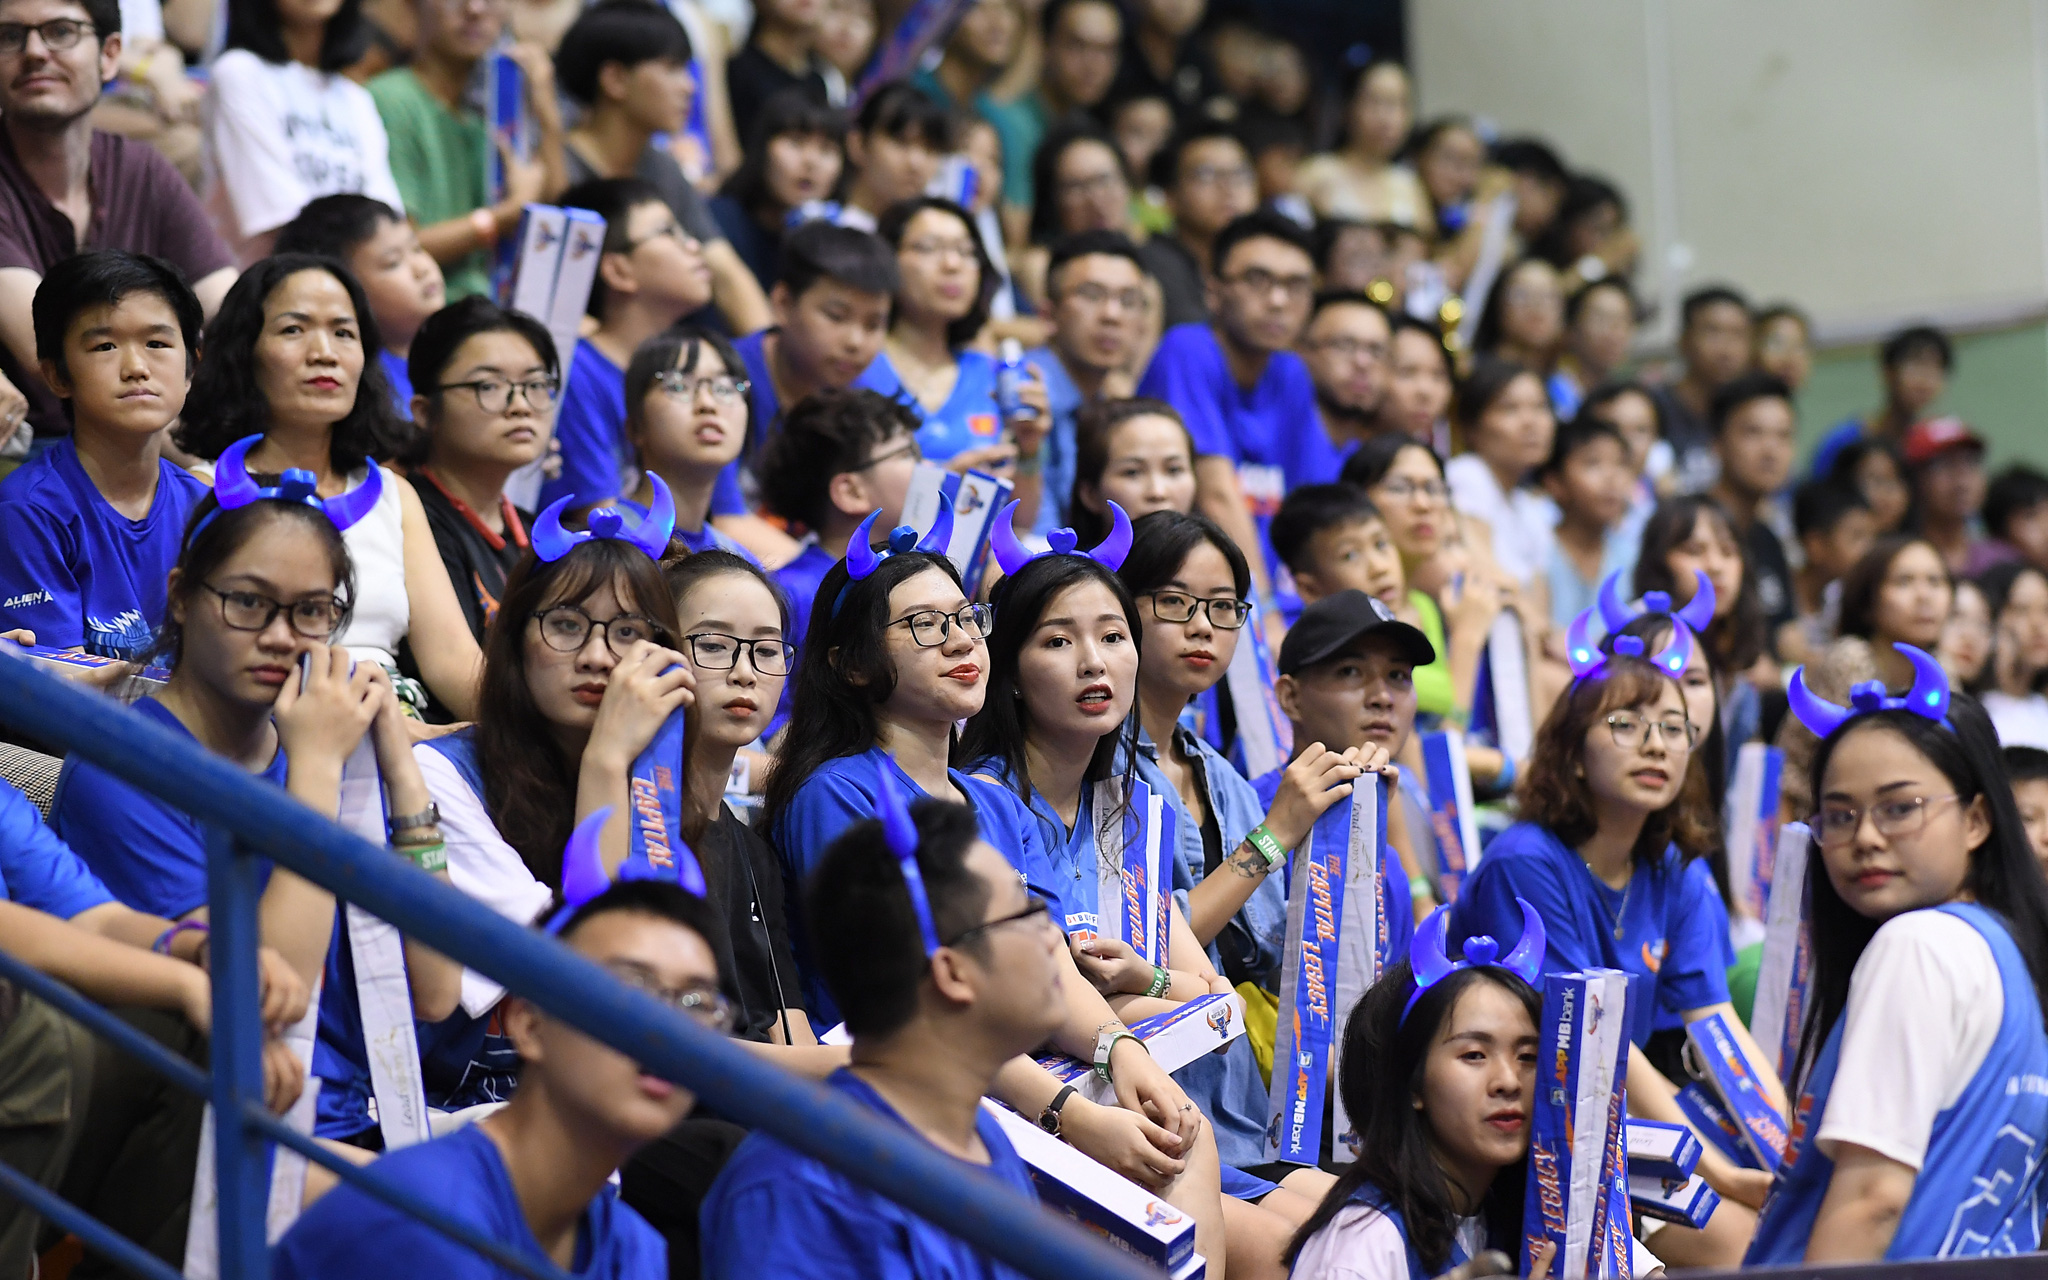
(494, 396)
(725, 388)
(253, 611)
(715, 652)
(1226, 612)
(1630, 731)
(930, 627)
(566, 629)
(1836, 826)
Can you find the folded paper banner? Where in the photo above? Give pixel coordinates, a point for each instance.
(1711, 1120)
(1667, 1152)
(1782, 979)
(1451, 812)
(1134, 874)
(1265, 739)
(1752, 824)
(139, 683)
(926, 24)
(1104, 1201)
(553, 263)
(1689, 1202)
(1310, 1018)
(1507, 684)
(1576, 1150)
(1363, 947)
(1173, 1039)
(654, 824)
(976, 497)
(1713, 1055)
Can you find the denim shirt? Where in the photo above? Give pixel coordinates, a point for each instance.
(1255, 938)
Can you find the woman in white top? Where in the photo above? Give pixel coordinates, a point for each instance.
(2018, 596)
(1361, 181)
(286, 360)
(283, 125)
(1508, 427)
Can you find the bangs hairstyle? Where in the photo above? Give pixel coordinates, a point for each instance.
(827, 434)
(334, 225)
(1162, 542)
(1864, 582)
(1709, 757)
(792, 113)
(102, 278)
(821, 250)
(1375, 456)
(684, 574)
(203, 551)
(529, 786)
(229, 404)
(1554, 795)
(1000, 730)
(1312, 509)
(1094, 425)
(1489, 380)
(682, 347)
(626, 32)
(434, 346)
(902, 111)
(1575, 435)
(1735, 640)
(256, 26)
(2003, 875)
(897, 221)
(843, 672)
(1614, 389)
(1384, 1060)
(1045, 167)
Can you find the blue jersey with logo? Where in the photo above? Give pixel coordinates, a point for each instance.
(79, 573)
(968, 419)
(1659, 928)
(1978, 1191)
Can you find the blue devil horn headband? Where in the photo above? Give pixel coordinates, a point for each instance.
(584, 876)
(899, 832)
(1012, 554)
(233, 487)
(1586, 658)
(551, 541)
(1928, 698)
(1697, 614)
(1428, 958)
(862, 558)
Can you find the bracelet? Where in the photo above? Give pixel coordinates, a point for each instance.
(427, 857)
(485, 224)
(162, 945)
(1103, 1054)
(1161, 980)
(1420, 887)
(427, 817)
(1262, 838)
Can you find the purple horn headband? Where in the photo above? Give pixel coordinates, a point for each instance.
(899, 832)
(233, 487)
(1928, 698)
(863, 558)
(1428, 956)
(551, 541)
(1012, 555)
(1698, 612)
(1587, 660)
(584, 876)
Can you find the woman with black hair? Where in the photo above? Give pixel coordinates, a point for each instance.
(283, 125)
(1874, 468)
(1921, 1060)
(686, 419)
(2017, 593)
(287, 365)
(1509, 427)
(796, 150)
(1135, 454)
(1523, 320)
(1687, 537)
(1439, 1072)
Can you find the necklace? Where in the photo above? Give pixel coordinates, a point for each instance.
(1614, 917)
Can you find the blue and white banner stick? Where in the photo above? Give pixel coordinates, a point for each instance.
(1787, 968)
(1507, 664)
(977, 499)
(1265, 740)
(1134, 882)
(1576, 1152)
(1363, 949)
(1453, 819)
(1713, 1054)
(1752, 826)
(1310, 1019)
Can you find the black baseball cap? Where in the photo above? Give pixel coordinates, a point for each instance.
(1330, 626)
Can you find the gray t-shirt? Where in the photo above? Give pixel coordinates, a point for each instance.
(660, 168)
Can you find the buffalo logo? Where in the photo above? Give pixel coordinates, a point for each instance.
(968, 501)
(1654, 953)
(1219, 1021)
(1159, 1215)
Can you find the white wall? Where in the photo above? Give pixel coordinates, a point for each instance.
(1873, 160)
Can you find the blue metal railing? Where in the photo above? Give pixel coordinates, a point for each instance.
(250, 818)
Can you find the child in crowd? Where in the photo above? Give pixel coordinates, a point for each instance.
(1332, 539)
(796, 149)
(831, 310)
(1874, 469)
(2028, 769)
(1835, 527)
(892, 152)
(1752, 421)
(651, 275)
(401, 279)
(686, 421)
(1589, 477)
(2015, 518)
(91, 527)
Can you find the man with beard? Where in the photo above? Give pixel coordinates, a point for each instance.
(1347, 347)
(1099, 294)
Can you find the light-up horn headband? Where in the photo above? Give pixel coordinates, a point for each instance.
(551, 541)
(899, 832)
(1698, 612)
(584, 876)
(1586, 658)
(1013, 555)
(1431, 963)
(863, 558)
(234, 487)
(1928, 698)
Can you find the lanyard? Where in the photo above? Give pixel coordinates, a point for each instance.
(505, 508)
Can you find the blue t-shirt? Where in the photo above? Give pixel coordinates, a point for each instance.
(841, 793)
(1839, 437)
(799, 581)
(400, 377)
(79, 573)
(36, 868)
(968, 419)
(1660, 928)
(775, 1212)
(1057, 464)
(349, 1234)
(591, 426)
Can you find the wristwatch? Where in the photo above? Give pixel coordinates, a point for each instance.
(1049, 1119)
(1105, 1040)
(427, 817)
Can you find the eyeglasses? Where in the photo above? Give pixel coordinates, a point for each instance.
(1409, 490)
(57, 34)
(930, 248)
(909, 449)
(1209, 175)
(1096, 295)
(252, 611)
(1036, 909)
(1352, 348)
(673, 231)
(493, 396)
(1091, 185)
(566, 629)
(1262, 283)
(725, 388)
(1895, 819)
(706, 1006)
(930, 627)
(715, 652)
(1630, 731)
(1226, 612)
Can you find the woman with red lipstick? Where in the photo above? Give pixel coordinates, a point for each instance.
(686, 418)
(1921, 1061)
(287, 359)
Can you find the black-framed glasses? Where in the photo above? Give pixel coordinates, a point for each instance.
(1630, 730)
(1262, 283)
(706, 1006)
(495, 396)
(725, 388)
(254, 611)
(1035, 908)
(566, 629)
(673, 231)
(715, 651)
(1226, 612)
(1407, 490)
(930, 627)
(58, 34)
(1837, 825)
(908, 449)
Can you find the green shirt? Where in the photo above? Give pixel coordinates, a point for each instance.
(1433, 693)
(441, 162)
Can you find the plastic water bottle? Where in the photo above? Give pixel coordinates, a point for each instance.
(1010, 382)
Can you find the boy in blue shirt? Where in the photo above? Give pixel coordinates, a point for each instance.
(831, 314)
(534, 1176)
(932, 1026)
(91, 527)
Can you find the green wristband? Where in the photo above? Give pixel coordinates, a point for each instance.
(1268, 845)
(1161, 980)
(427, 857)
(1420, 887)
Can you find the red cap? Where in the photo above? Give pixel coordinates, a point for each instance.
(1937, 436)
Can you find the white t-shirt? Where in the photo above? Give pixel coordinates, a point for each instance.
(480, 863)
(1524, 522)
(279, 135)
(376, 543)
(2021, 722)
(1924, 1006)
(1361, 1243)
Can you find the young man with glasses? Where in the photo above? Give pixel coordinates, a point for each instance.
(1206, 173)
(1347, 346)
(1101, 301)
(534, 1176)
(66, 187)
